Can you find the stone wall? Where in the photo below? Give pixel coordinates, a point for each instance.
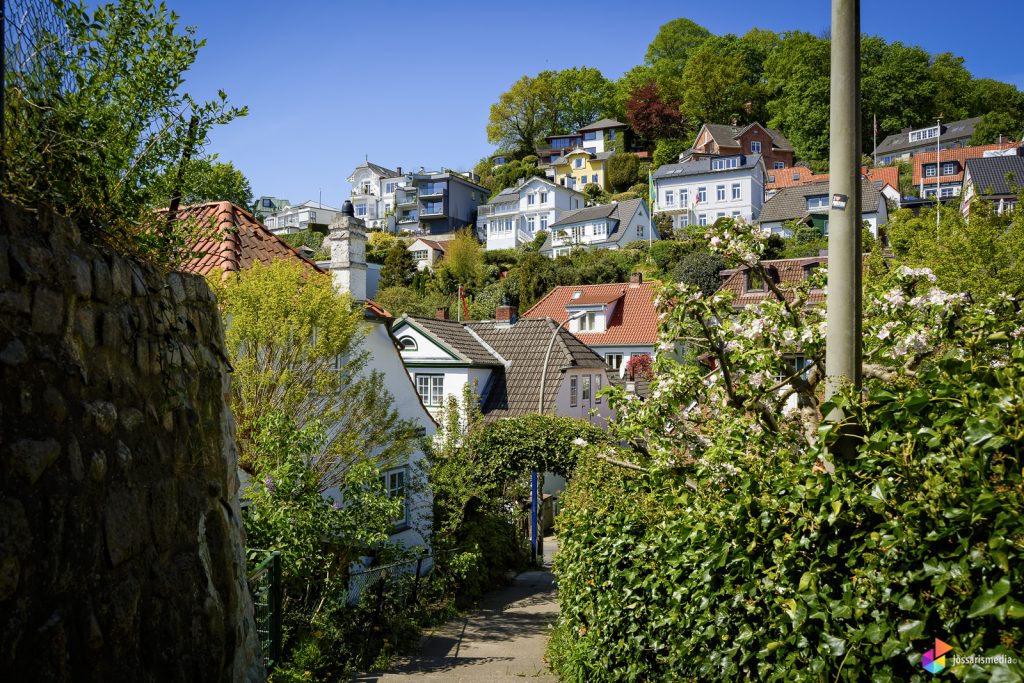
(121, 553)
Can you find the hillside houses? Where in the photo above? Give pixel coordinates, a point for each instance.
(516, 214)
(605, 226)
(700, 191)
(809, 204)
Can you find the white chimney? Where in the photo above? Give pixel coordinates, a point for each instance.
(347, 239)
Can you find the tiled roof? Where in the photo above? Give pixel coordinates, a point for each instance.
(509, 194)
(958, 154)
(801, 175)
(433, 244)
(236, 240)
(453, 335)
(786, 273)
(703, 166)
(602, 123)
(379, 170)
(726, 135)
(516, 389)
(989, 175)
(791, 202)
(954, 130)
(634, 321)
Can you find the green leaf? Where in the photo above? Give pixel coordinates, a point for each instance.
(988, 601)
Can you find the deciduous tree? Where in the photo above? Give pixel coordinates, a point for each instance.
(653, 117)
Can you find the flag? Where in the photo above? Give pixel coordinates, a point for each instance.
(652, 198)
(465, 306)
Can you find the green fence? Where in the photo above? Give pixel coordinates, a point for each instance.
(265, 588)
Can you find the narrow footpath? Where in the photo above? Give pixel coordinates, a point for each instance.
(503, 640)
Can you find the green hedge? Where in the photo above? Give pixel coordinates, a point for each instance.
(768, 568)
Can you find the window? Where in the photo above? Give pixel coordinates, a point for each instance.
(366, 188)
(684, 197)
(312, 215)
(588, 322)
(590, 150)
(702, 219)
(531, 224)
(593, 178)
(543, 222)
(887, 159)
(639, 231)
(408, 344)
(724, 163)
(949, 168)
(755, 146)
(684, 220)
(390, 187)
(419, 255)
(702, 195)
(530, 199)
(771, 178)
(735, 190)
(720, 193)
(778, 164)
(586, 387)
(924, 134)
(735, 215)
(720, 214)
(360, 209)
(611, 134)
(929, 192)
(394, 485)
(948, 192)
(817, 202)
(929, 170)
(434, 207)
(573, 399)
(754, 281)
(597, 389)
(670, 198)
(590, 135)
(600, 229)
(577, 163)
(268, 203)
(543, 197)
(430, 389)
(613, 360)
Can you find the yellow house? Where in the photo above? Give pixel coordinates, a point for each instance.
(578, 168)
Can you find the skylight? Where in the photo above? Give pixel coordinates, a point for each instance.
(577, 294)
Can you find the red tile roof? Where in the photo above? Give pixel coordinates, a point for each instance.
(634, 321)
(233, 240)
(786, 273)
(887, 175)
(437, 246)
(959, 154)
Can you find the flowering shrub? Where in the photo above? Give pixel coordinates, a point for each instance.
(735, 548)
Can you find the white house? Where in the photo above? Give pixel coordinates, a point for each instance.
(503, 361)
(700, 191)
(373, 194)
(426, 253)
(515, 215)
(294, 218)
(617, 321)
(809, 204)
(606, 226)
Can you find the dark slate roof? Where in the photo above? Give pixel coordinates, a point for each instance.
(703, 166)
(726, 135)
(616, 211)
(791, 202)
(602, 123)
(955, 130)
(453, 335)
(515, 390)
(378, 169)
(509, 194)
(989, 174)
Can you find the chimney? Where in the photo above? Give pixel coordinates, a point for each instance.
(636, 279)
(441, 313)
(506, 315)
(347, 240)
(398, 170)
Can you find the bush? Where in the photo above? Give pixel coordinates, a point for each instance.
(762, 566)
(667, 253)
(702, 269)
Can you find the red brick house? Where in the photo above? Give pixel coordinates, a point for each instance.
(715, 139)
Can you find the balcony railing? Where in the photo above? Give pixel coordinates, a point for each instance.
(408, 217)
(431, 212)
(406, 199)
(427, 191)
(362, 192)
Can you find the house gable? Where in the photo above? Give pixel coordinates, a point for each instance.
(424, 350)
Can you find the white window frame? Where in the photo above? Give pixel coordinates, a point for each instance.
(670, 198)
(778, 164)
(434, 385)
(737, 192)
(597, 388)
(588, 322)
(613, 360)
(719, 193)
(395, 486)
(573, 391)
(684, 197)
(931, 170)
(702, 195)
(586, 394)
(948, 168)
(530, 199)
(755, 146)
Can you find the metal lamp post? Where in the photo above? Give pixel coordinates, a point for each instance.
(534, 536)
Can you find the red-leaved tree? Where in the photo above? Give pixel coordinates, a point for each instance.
(651, 116)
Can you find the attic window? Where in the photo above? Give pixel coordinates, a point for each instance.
(577, 294)
(755, 283)
(796, 176)
(810, 269)
(408, 344)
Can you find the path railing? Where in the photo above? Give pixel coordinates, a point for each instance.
(265, 588)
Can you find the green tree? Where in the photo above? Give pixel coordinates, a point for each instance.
(667, 151)
(582, 95)
(701, 269)
(203, 180)
(716, 86)
(671, 48)
(896, 85)
(952, 86)
(296, 347)
(92, 126)
(797, 79)
(464, 259)
(998, 125)
(399, 267)
(523, 114)
(623, 171)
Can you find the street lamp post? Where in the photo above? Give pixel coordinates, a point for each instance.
(534, 536)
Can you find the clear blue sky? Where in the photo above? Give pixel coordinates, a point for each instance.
(410, 83)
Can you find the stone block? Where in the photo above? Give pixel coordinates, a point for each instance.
(101, 415)
(121, 279)
(14, 353)
(81, 276)
(31, 457)
(131, 419)
(5, 269)
(85, 325)
(47, 311)
(124, 520)
(14, 302)
(75, 464)
(110, 330)
(176, 287)
(98, 466)
(56, 409)
(102, 281)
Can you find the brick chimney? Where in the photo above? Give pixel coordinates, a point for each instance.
(506, 315)
(636, 279)
(347, 240)
(441, 314)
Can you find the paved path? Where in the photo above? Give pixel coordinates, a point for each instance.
(503, 640)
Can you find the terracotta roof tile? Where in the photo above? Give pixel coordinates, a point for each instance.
(800, 175)
(787, 273)
(960, 155)
(634, 321)
(235, 241)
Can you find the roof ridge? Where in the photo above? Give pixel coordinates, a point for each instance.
(490, 349)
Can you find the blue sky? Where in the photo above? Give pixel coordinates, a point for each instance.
(410, 83)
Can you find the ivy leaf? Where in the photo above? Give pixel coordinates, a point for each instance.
(987, 602)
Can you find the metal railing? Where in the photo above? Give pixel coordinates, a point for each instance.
(265, 588)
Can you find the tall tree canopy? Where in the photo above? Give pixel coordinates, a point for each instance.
(204, 180)
(651, 116)
(797, 78)
(716, 83)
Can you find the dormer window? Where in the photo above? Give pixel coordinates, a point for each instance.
(577, 294)
(588, 322)
(924, 134)
(817, 202)
(755, 283)
(755, 146)
(724, 163)
(577, 162)
(809, 270)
